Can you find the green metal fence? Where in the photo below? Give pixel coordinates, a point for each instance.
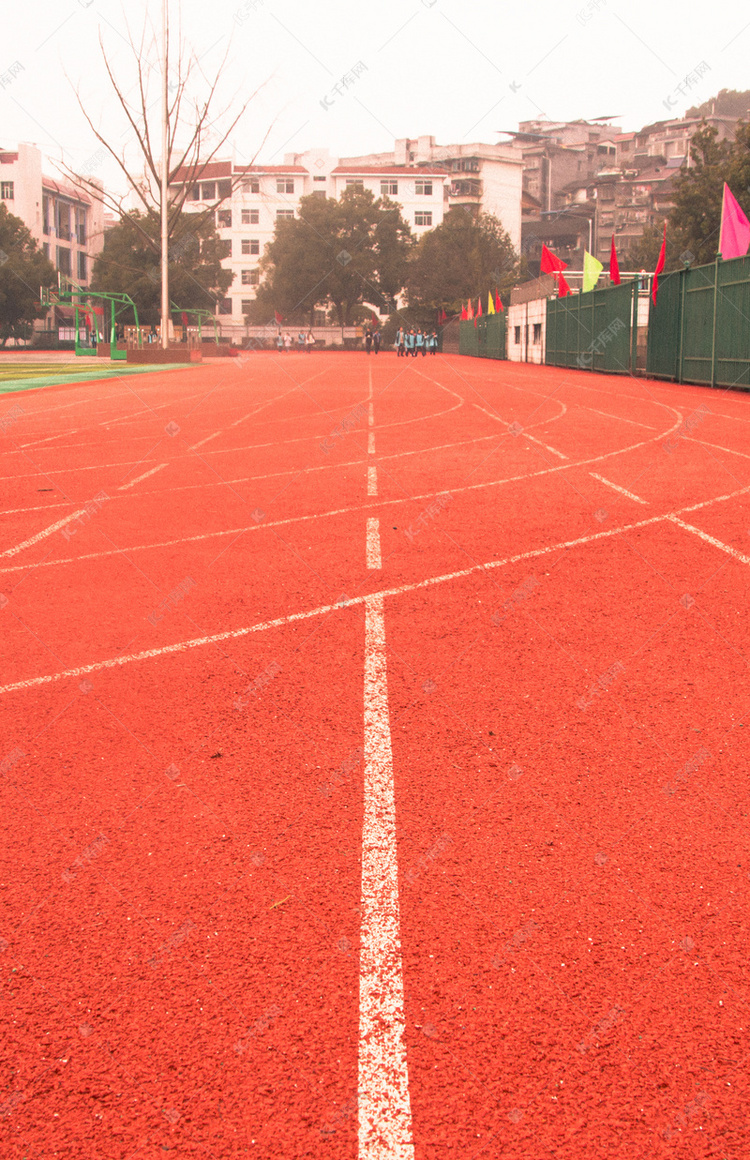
(486, 339)
(593, 331)
(699, 328)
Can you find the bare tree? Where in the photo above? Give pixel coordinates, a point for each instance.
(177, 137)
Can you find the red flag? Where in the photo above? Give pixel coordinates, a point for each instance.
(659, 265)
(550, 262)
(278, 317)
(470, 309)
(498, 303)
(614, 265)
(464, 313)
(479, 310)
(563, 289)
(184, 318)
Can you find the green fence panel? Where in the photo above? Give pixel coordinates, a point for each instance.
(664, 326)
(591, 331)
(486, 339)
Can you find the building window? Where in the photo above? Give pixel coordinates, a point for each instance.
(225, 248)
(224, 219)
(250, 217)
(6, 190)
(82, 274)
(224, 189)
(388, 188)
(250, 246)
(81, 226)
(45, 249)
(537, 332)
(251, 186)
(225, 306)
(284, 185)
(195, 193)
(281, 214)
(45, 215)
(208, 190)
(62, 220)
(319, 193)
(423, 218)
(250, 277)
(423, 188)
(517, 335)
(316, 178)
(63, 260)
(354, 183)
(246, 304)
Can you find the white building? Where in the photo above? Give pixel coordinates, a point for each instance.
(66, 224)
(258, 196)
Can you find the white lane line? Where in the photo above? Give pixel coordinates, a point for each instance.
(704, 443)
(138, 478)
(622, 419)
(371, 416)
(373, 543)
(546, 446)
(384, 1106)
(60, 435)
(208, 439)
(291, 618)
(371, 443)
(616, 487)
(41, 535)
(497, 417)
(360, 507)
(710, 539)
(372, 481)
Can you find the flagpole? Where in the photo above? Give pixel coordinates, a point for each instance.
(164, 208)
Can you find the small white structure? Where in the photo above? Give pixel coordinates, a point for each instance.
(527, 320)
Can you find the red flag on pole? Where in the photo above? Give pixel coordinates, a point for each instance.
(614, 265)
(498, 303)
(479, 310)
(184, 318)
(563, 289)
(550, 263)
(659, 265)
(470, 309)
(279, 318)
(464, 313)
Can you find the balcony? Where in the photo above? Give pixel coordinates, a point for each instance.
(471, 188)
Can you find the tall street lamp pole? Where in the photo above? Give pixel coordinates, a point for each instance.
(164, 207)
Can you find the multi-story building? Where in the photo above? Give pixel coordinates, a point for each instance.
(66, 223)
(256, 197)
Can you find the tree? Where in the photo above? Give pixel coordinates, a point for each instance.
(696, 216)
(129, 264)
(461, 258)
(644, 253)
(23, 269)
(727, 103)
(341, 253)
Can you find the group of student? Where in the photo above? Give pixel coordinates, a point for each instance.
(304, 341)
(411, 342)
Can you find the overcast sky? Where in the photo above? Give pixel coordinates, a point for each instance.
(457, 71)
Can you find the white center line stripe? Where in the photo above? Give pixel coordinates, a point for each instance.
(371, 443)
(138, 478)
(616, 487)
(373, 543)
(41, 535)
(546, 446)
(208, 439)
(371, 416)
(372, 481)
(384, 1107)
(710, 539)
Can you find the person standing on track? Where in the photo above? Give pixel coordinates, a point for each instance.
(400, 342)
(279, 342)
(433, 342)
(301, 341)
(411, 342)
(310, 341)
(420, 343)
(376, 341)
(368, 340)
(287, 342)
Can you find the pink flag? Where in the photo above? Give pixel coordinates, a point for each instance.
(735, 228)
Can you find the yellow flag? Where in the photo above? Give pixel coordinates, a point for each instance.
(592, 268)
(490, 303)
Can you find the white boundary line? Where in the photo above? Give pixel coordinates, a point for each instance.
(138, 478)
(370, 442)
(372, 550)
(41, 535)
(616, 487)
(372, 481)
(384, 1106)
(710, 539)
(546, 446)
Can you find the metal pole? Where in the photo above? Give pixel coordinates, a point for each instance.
(164, 178)
(681, 351)
(716, 310)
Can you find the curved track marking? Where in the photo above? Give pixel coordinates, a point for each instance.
(400, 590)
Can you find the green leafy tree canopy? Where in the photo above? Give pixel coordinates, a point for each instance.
(129, 264)
(341, 253)
(461, 258)
(23, 270)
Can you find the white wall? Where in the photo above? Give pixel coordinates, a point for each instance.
(523, 315)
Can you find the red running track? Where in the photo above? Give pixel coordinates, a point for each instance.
(374, 764)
